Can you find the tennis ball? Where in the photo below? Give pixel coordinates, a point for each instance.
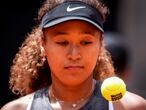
(113, 88)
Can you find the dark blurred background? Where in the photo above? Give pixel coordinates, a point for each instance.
(17, 19)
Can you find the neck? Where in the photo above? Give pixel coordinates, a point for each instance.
(73, 93)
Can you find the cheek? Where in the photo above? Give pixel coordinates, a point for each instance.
(93, 51)
(91, 57)
(54, 57)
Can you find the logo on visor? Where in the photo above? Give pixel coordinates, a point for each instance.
(69, 9)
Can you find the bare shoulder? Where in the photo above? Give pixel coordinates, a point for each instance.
(18, 104)
(131, 101)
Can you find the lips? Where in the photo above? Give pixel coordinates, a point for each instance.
(74, 67)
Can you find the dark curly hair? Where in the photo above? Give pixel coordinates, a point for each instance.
(30, 70)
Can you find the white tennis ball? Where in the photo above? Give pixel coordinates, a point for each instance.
(113, 89)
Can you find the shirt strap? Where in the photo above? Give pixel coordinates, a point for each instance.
(30, 103)
(111, 106)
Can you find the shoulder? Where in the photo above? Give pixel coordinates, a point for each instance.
(18, 104)
(130, 101)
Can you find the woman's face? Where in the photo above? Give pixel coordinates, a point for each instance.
(72, 49)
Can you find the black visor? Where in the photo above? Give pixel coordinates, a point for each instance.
(72, 10)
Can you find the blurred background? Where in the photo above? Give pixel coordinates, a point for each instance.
(127, 21)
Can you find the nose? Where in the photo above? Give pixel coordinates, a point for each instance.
(74, 53)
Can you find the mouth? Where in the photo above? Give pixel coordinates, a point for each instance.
(74, 67)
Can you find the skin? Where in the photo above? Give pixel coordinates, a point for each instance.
(130, 101)
(72, 49)
(66, 47)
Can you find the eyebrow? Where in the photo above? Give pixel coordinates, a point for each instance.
(60, 33)
(87, 32)
(65, 33)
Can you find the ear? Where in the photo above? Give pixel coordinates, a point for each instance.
(101, 42)
(42, 47)
(101, 48)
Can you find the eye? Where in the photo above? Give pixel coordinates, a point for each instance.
(64, 43)
(85, 42)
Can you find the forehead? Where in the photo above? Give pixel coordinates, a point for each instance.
(73, 25)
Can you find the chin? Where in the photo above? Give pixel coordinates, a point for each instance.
(73, 82)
